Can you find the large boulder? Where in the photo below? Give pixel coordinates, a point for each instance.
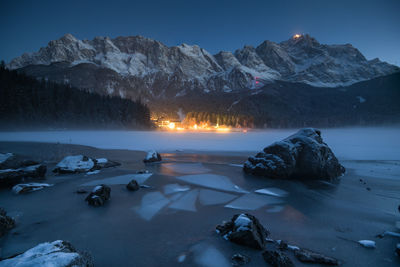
(244, 229)
(302, 155)
(99, 195)
(152, 156)
(6, 222)
(81, 163)
(58, 254)
(277, 258)
(308, 256)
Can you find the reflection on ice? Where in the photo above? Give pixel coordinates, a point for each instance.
(122, 179)
(175, 188)
(274, 209)
(252, 202)
(212, 181)
(209, 256)
(186, 168)
(186, 202)
(272, 191)
(151, 204)
(212, 197)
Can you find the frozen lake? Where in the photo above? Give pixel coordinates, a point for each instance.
(347, 143)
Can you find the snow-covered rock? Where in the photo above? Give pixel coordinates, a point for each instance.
(244, 229)
(55, 254)
(302, 155)
(367, 243)
(81, 163)
(4, 157)
(30, 187)
(99, 195)
(72, 164)
(6, 223)
(152, 156)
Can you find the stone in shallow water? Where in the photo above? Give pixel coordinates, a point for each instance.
(99, 195)
(252, 202)
(151, 204)
(212, 197)
(212, 181)
(6, 222)
(133, 185)
(186, 202)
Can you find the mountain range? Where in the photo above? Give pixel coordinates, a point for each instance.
(162, 76)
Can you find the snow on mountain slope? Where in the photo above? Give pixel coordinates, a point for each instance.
(156, 70)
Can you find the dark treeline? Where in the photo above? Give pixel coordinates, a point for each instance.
(220, 119)
(26, 102)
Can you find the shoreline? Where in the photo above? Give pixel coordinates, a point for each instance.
(315, 215)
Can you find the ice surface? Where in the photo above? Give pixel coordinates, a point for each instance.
(272, 191)
(212, 197)
(376, 169)
(236, 165)
(174, 188)
(122, 179)
(151, 204)
(186, 202)
(208, 256)
(4, 157)
(212, 181)
(186, 168)
(274, 209)
(102, 160)
(93, 172)
(252, 202)
(347, 143)
(367, 243)
(44, 254)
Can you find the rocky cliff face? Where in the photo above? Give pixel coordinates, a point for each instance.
(140, 67)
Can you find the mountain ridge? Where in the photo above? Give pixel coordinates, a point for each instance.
(148, 66)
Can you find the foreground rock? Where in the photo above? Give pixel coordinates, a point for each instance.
(58, 254)
(6, 222)
(303, 155)
(244, 229)
(277, 258)
(309, 256)
(152, 156)
(133, 186)
(239, 259)
(80, 163)
(99, 195)
(10, 177)
(27, 188)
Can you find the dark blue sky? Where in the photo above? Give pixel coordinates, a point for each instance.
(370, 25)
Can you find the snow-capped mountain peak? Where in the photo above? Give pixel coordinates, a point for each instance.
(149, 66)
